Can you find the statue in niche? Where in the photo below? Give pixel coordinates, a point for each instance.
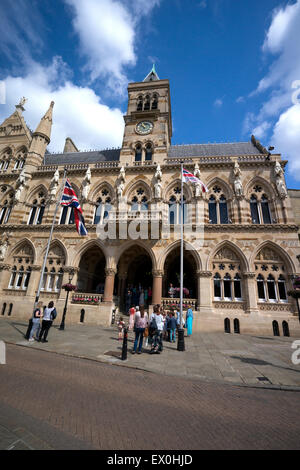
(54, 185)
(86, 184)
(3, 249)
(198, 186)
(238, 187)
(158, 185)
(20, 184)
(279, 178)
(121, 183)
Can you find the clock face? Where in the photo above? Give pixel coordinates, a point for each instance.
(144, 127)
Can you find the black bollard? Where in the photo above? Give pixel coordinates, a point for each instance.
(28, 329)
(124, 347)
(180, 343)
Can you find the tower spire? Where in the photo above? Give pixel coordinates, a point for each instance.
(152, 75)
(44, 127)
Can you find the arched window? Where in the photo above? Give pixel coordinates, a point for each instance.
(103, 207)
(12, 277)
(175, 207)
(5, 211)
(20, 159)
(139, 201)
(147, 103)
(138, 153)
(260, 208)
(217, 287)
(237, 287)
(140, 104)
(37, 210)
(51, 280)
(154, 102)
(59, 278)
(5, 160)
(227, 287)
(218, 208)
(271, 282)
(149, 152)
(21, 271)
(20, 278)
(27, 277)
(226, 267)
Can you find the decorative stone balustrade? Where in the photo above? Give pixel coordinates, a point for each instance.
(167, 302)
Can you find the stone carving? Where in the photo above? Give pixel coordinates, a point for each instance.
(279, 181)
(267, 254)
(20, 185)
(86, 184)
(23, 100)
(238, 187)
(53, 186)
(198, 186)
(226, 254)
(158, 185)
(3, 250)
(121, 183)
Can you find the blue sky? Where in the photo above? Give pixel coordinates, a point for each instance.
(231, 66)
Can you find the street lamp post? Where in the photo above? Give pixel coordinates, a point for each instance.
(68, 288)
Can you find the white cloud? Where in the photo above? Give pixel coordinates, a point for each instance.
(218, 103)
(78, 111)
(107, 33)
(278, 112)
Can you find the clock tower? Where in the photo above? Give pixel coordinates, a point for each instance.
(148, 122)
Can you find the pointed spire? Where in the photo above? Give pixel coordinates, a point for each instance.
(152, 75)
(44, 127)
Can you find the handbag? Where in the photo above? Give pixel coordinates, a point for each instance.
(146, 332)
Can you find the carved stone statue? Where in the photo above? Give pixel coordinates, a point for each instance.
(157, 184)
(121, 183)
(23, 100)
(54, 185)
(198, 186)
(3, 249)
(86, 184)
(279, 178)
(238, 187)
(20, 184)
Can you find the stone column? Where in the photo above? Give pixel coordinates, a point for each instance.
(4, 268)
(204, 290)
(250, 292)
(121, 289)
(157, 287)
(109, 285)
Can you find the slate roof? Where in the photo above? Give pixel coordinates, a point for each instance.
(213, 150)
(83, 157)
(176, 151)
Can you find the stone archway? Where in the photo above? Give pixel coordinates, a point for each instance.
(91, 275)
(172, 273)
(134, 272)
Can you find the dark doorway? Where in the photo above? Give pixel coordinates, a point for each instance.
(275, 328)
(10, 309)
(3, 308)
(285, 327)
(172, 273)
(227, 328)
(91, 275)
(236, 324)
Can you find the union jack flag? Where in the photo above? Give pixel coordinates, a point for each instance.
(188, 177)
(70, 199)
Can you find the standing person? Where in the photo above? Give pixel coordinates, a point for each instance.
(131, 317)
(128, 301)
(49, 316)
(142, 298)
(156, 325)
(171, 291)
(121, 326)
(172, 327)
(189, 321)
(140, 324)
(36, 317)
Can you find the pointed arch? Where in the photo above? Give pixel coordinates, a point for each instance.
(86, 246)
(21, 245)
(188, 246)
(226, 189)
(133, 186)
(176, 181)
(227, 244)
(131, 243)
(259, 181)
(41, 187)
(279, 250)
(98, 187)
(56, 243)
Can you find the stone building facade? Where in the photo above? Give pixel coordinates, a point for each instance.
(241, 238)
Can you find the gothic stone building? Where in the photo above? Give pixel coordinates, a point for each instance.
(241, 240)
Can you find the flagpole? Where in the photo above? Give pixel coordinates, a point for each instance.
(49, 241)
(180, 346)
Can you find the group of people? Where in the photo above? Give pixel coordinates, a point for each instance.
(138, 295)
(161, 325)
(42, 320)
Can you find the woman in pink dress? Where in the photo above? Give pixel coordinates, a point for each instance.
(131, 318)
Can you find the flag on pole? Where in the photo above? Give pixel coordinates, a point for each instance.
(70, 199)
(188, 177)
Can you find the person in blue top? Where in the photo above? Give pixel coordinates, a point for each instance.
(189, 321)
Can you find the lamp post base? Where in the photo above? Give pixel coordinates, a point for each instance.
(180, 343)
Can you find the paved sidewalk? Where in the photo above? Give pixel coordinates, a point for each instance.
(236, 359)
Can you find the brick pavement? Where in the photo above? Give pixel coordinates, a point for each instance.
(219, 357)
(106, 407)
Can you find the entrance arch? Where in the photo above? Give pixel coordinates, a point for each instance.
(91, 275)
(172, 273)
(135, 273)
